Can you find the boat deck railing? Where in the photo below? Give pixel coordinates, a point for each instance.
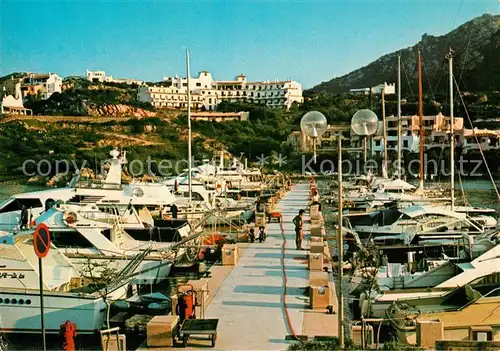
(97, 184)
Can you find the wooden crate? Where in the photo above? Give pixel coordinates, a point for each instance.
(161, 331)
(320, 297)
(316, 230)
(230, 254)
(315, 262)
(316, 248)
(318, 278)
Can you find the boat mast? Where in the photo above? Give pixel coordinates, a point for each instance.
(340, 251)
(384, 129)
(420, 119)
(190, 185)
(399, 116)
(452, 131)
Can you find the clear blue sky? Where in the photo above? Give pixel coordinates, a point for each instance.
(304, 40)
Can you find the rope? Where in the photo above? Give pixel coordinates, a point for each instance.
(466, 54)
(407, 79)
(477, 140)
(285, 281)
(464, 196)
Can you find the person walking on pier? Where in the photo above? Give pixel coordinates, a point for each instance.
(299, 234)
(315, 200)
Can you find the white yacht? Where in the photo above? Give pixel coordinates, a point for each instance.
(225, 179)
(93, 240)
(108, 192)
(67, 296)
(435, 284)
(202, 201)
(418, 222)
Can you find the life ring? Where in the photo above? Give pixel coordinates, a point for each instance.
(70, 218)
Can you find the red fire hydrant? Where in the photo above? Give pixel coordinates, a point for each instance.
(68, 332)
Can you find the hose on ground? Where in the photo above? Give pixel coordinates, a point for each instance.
(285, 282)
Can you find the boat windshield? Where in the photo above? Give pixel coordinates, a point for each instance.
(17, 204)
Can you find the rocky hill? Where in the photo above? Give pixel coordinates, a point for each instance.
(476, 46)
(83, 98)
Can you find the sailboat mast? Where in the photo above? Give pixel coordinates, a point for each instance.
(399, 117)
(452, 132)
(421, 122)
(190, 185)
(384, 129)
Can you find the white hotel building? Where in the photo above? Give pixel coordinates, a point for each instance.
(207, 93)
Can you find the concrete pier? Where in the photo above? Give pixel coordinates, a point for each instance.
(248, 298)
(249, 303)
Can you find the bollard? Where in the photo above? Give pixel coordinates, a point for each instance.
(68, 332)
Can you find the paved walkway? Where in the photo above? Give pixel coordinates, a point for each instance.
(249, 303)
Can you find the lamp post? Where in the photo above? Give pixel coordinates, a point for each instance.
(363, 123)
(313, 124)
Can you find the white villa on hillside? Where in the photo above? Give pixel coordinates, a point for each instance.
(388, 89)
(12, 101)
(100, 76)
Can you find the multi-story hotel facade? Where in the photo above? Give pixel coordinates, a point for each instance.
(207, 93)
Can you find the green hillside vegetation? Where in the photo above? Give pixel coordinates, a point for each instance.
(265, 133)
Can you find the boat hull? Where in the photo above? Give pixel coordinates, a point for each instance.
(88, 313)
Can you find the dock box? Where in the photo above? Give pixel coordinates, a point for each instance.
(316, 248)
(314, 212)
(161, 331)
(318, 278)
(315, 262)
(230, 254)
(316, 239)
(316, 230)
(320, 296)
(317, 222)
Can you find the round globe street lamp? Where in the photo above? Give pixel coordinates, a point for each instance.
(313, 124)
(364, 123)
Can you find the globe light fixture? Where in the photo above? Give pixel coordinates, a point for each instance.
(313, 124)
(364, 123)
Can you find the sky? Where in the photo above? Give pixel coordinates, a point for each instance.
(308, 41)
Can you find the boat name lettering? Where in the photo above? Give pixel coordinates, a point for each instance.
(111, 201)
(11, 275)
